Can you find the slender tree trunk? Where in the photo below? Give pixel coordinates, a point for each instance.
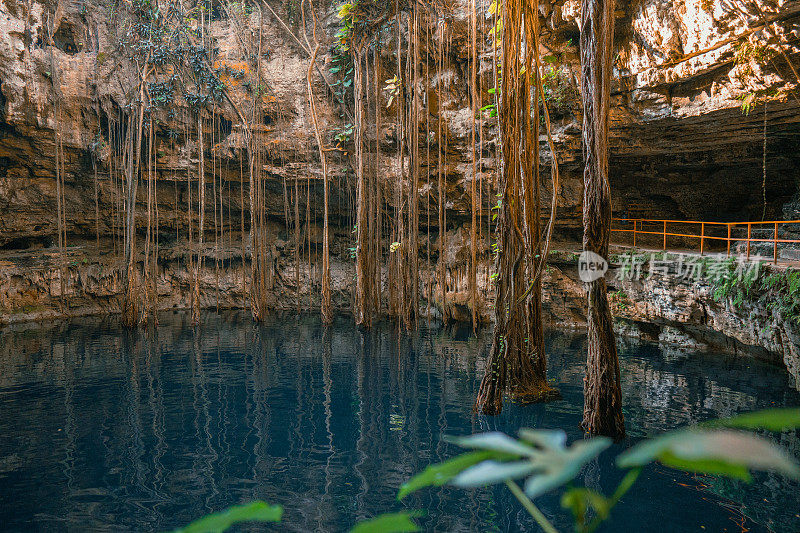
(363, 313)
(130, 303)
(602, 408)
(201, 209)
(325, 304)
(441, 144)
(473, 267)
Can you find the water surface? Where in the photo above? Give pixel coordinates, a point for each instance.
(107, 430)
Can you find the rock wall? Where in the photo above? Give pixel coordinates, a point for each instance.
(683, 72)
(668, 308)
(663, 308)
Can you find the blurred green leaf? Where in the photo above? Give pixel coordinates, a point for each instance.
(553, 439)
(720, 452)
(547, 461)
(490, 472)
(770, 419)
(257, 511)
(580, 500)
(438, 474)
(389, 523)
(707, 466)
(560, 466)
(494, 441)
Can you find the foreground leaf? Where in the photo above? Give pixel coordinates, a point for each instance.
(580, 500)
(490, 472)
(438, 474)
(389, 523)
(494, 441)
(541, 455)
(554, 439)
(560, 467)
(770, 419)
(256, 511)
(719, 452)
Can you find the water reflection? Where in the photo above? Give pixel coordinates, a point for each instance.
(105, 429)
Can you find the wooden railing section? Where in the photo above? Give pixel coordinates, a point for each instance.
(734, 232)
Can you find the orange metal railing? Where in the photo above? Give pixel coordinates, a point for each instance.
(708, 231)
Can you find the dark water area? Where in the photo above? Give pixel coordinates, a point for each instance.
(107, 430)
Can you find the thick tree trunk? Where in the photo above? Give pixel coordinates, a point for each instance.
(602, 410)
(517, 364)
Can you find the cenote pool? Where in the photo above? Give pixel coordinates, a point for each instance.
(107, 430)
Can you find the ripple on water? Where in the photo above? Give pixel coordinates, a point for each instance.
(104, 429)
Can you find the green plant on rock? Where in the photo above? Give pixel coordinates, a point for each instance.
(745, 56)
(392, 89)
(620, 299)
(778, 290)
(784, 290)
(559, 91)
(344, 134)
(341, 59)
(747, 53)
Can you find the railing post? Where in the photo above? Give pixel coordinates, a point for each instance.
(665, 235)
(702, 236)
(634, 233)
(729, 239)
(775, 245)
(749, 229)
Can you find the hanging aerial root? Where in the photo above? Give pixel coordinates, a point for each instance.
(517, 364)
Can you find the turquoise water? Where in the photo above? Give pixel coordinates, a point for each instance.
(107, 430)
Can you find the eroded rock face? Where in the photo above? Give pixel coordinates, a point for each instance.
(677, 311)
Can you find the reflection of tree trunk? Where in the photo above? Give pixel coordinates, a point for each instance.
(602, 411)
(517, 363)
